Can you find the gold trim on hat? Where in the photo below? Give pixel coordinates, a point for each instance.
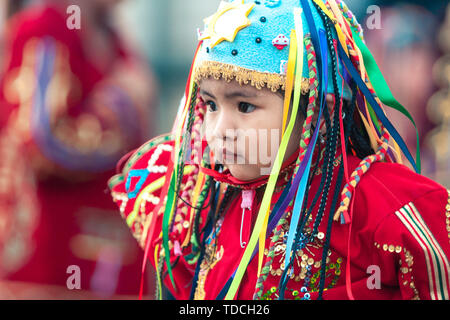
(259, 80)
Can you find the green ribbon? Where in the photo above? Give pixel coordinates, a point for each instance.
(170, 204)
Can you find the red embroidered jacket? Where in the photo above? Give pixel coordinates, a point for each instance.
(399, 233)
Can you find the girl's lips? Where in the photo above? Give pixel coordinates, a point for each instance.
(230, 156)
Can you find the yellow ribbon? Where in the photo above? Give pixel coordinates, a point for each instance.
(289, 85)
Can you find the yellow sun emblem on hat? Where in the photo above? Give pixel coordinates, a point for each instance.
(230, 18)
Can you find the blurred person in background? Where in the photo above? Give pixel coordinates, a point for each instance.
(406, 39)
(438, 108)
(73, 99)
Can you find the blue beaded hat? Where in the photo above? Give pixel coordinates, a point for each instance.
(249, 41)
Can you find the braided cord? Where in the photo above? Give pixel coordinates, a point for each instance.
(348, 14)
(182, 153)
(349, 188)
(187, 135)
(196, 144)
(335, 129)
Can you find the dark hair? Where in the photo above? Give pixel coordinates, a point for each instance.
(356, 135)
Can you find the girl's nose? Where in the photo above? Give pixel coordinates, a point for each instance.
(225, 128)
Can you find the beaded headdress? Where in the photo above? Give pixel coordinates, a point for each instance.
(249, 41)
(303, 47)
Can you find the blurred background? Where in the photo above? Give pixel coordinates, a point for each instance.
(117, 81)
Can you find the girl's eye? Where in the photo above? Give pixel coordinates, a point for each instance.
(211, 106)
(245, 107)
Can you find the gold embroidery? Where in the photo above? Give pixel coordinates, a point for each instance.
(143, 219)
(228, 72)
(212, 256)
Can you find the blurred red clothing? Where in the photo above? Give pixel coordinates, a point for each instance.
(65, 121)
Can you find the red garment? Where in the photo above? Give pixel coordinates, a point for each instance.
(399, 231)
(64, 126)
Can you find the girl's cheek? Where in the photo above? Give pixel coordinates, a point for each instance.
(208, 130)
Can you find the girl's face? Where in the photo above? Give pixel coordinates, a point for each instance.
(243, 127)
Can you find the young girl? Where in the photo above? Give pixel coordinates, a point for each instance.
(331, 213)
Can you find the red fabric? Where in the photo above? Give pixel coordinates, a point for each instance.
(379, 238)
(69, 219)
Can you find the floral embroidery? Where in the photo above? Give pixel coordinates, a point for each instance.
(305, 274)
